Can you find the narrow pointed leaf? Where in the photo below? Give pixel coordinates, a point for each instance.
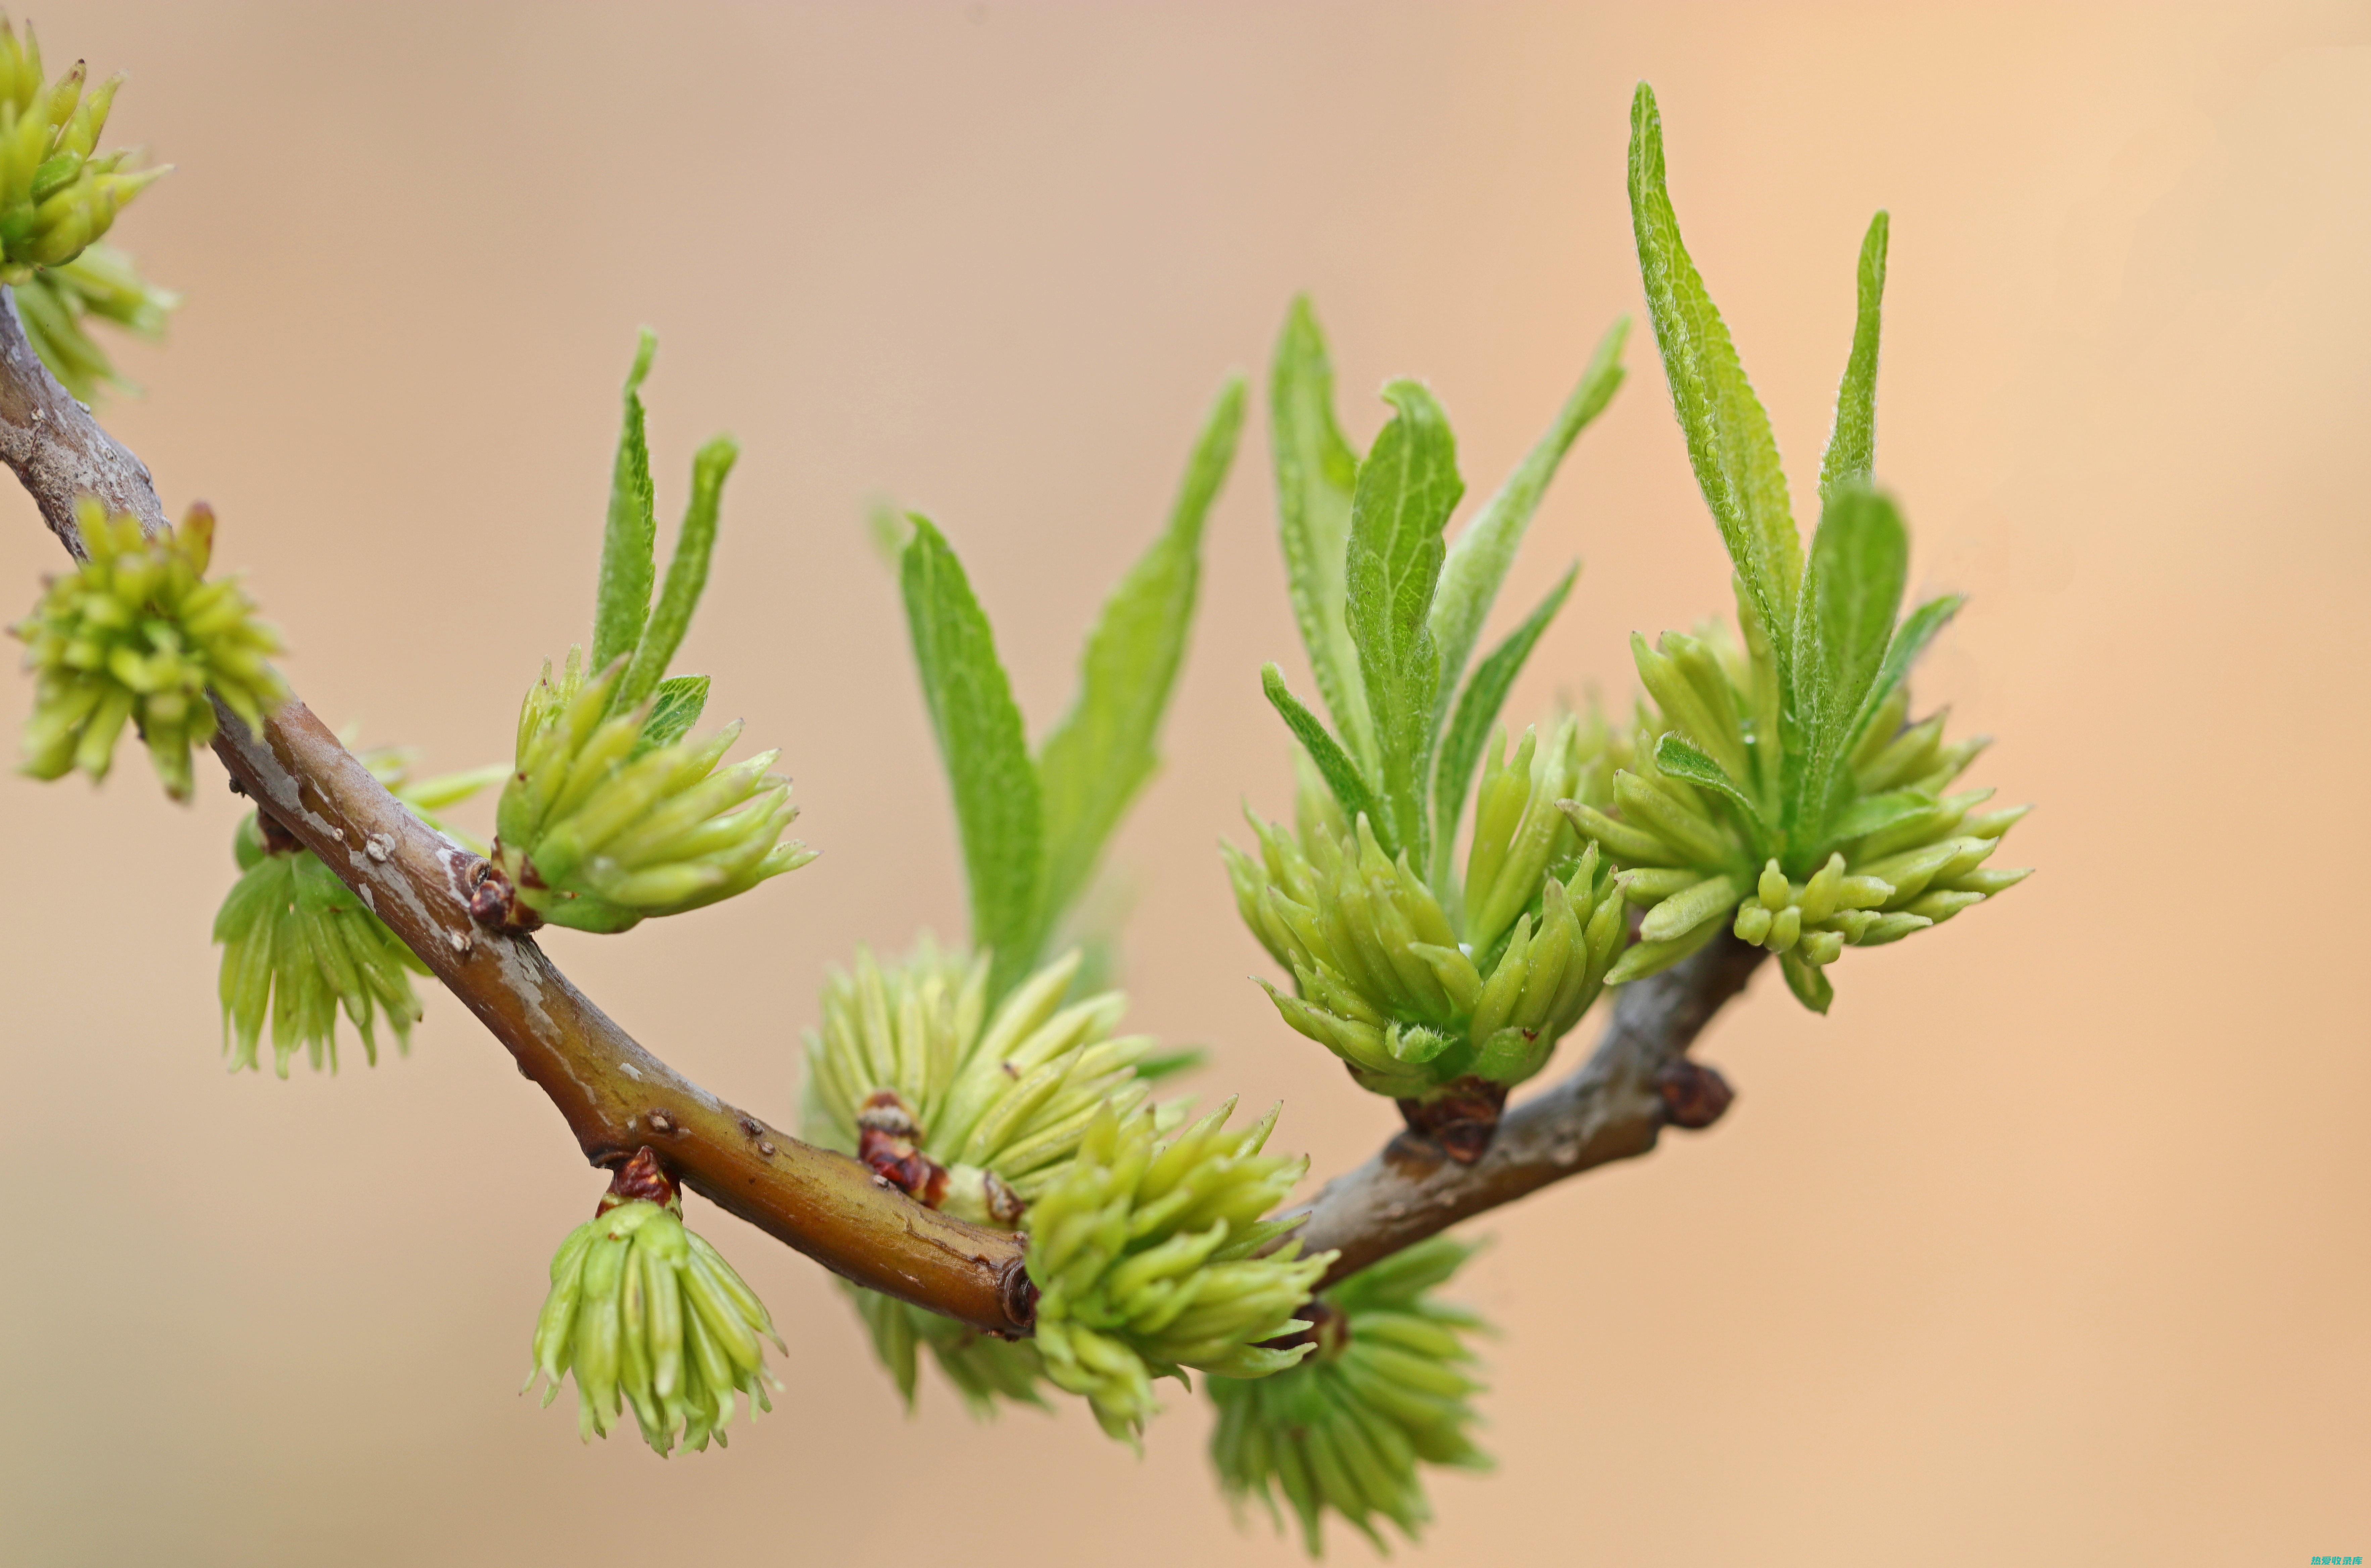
(1316, 473)
(982, 743)
(1852, 442)
(1334, 765)
(629, 541)
(1729, 438)
(1478, 561)
(1852, 591)
(1094, 762)
(674, 710)
(1677, 756)
(1477, 709)
(687, 577)
(1910, 640)
(1408, 486)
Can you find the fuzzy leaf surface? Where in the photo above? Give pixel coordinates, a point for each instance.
(1852, 591)
(1101, 755)
(1477, 709)
(686, 576)
(1729, 438)
(983, 747)
(1852, 442)
(1316, 474)
(1334, 765)
(1408, 486)
(630, 538)
(1478, 561)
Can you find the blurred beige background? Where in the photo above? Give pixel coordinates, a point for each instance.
(2048, 1246)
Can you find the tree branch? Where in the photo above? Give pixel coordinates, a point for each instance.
(1636, 1082)
(617, 1097)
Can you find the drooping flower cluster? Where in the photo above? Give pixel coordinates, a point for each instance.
(972, 1112)
(1425, 1001)
(299, 945)
(1387, 1389)
(58, 192)
(611, 819)
(1150, 1256)
(138, 636)
(647, 1315)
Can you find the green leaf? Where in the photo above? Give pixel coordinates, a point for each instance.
(1316, 473)
(673, 712)
(1729, 444)
(1408, 486)
(629, 541)
(1333, 764)
(1680, 759)
(1477, 562)
(1910, 640)
(1852, 442)
(687, 577)
(1872, 812)
(1852, 591)
(985, 749)
(1093, 763)
(1477, 709)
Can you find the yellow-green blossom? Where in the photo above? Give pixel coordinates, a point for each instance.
(136, 635)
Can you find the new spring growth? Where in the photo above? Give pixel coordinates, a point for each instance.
(614, 815)
(650, 1319)
(1444, 1007)
(1146, 1253)
(297, 944)
(967, 1109)
(1438, 991)
(1387, 1390)
(58, 192)
(1785, 799)
(136, 635)
(56, 303)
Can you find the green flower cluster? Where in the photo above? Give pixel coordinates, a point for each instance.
(1388, 1389)
(1785, 798)
(613, 815)
(1415, 996)
(643, 1311)
(1438, 991)
(614, 818)
(1150, 1256)
(58, 192)
(55, 303)
(137, 635)
(972, 1111)
(299, 945)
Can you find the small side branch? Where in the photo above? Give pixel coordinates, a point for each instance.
(1637, 1081)
(615, 1096)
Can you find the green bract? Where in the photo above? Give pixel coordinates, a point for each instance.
(972, 1112)
(1414, 996)
(298, 944)
(1776, 792)
(1147, 1253)
(1431, 986)
(643, 1311)
(1386, 1389)
(58, 192)
(137, 635)
(613, 815)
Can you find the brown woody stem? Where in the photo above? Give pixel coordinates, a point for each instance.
(617, 1099)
